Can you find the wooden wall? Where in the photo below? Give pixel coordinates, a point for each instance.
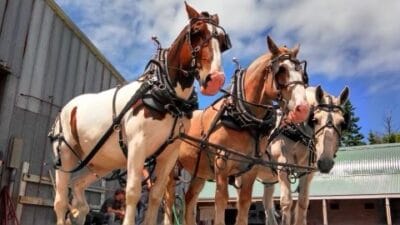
(50, 61)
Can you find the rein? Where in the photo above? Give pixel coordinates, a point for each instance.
(293, 132)
(158, 86)
(239, 156)
(240, 115)
(116, 121)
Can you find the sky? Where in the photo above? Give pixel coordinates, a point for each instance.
(345, 42)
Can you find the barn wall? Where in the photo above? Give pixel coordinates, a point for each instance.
(50, 62)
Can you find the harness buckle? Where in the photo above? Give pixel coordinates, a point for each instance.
(174, 110)
(117, 127)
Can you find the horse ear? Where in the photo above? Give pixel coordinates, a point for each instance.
(215, 18)
(319, 94)
(344, 95)
(273, 48)
(192, 13)
(295, 50)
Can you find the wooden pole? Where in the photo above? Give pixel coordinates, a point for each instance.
(324, 212)
(388, 214)
(22, 188)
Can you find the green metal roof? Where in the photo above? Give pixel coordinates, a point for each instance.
(368, 171)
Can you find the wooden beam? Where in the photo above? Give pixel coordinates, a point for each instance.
(388, 214)
(324, 212)
(47, 180)
(22, 188)
(31, 200)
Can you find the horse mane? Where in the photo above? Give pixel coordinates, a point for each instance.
(260, 61)
(178, 41)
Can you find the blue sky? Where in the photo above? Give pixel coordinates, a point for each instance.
(346, 42)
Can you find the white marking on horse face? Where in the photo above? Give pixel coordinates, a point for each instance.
(327, 141)
(298, 91)
(216, 55)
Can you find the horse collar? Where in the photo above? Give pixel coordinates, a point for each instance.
(162, 96)
(237, 115)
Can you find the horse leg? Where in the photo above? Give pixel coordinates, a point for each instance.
(286, 197)
(221, 198)
(244, 197)
(169, 199)
(302, 202)
(191, 196)
(61, 200)
(61, 197)
(268, 202)
(135, 163)
(80, 207)
(166, 163)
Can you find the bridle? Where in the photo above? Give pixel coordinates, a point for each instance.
(330, 108)
(274, 66)
(223, 39)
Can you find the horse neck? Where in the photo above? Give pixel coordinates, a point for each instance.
(256, 89)
(182, 83)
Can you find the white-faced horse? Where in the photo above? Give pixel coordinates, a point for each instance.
(140, 118)
(237, 122)
(314, 143)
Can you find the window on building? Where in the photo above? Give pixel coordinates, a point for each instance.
(334, 206)
(369, 205)
(4, 71)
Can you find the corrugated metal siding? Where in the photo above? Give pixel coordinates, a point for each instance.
(51, 61)
(364, 170)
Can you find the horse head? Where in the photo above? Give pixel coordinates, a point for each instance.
(329, 120)
(283, 78)
(196, 54)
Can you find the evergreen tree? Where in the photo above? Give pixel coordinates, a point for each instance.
(374, 138)
(352, 136)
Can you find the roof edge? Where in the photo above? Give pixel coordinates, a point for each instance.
(369, 147)
(81, 36)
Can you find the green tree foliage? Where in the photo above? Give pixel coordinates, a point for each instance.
(352, 136)
(374, 138)
(390, 135)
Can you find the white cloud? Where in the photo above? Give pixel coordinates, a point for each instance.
(338, 37)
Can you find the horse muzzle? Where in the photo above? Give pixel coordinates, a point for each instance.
(325, 165)
(300, 113)
(212, 83)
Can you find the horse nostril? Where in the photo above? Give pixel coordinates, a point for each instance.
(325, 165)
(302, 108)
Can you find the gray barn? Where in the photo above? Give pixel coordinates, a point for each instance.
(45, 60)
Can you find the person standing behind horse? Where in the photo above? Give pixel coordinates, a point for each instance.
(114, 208)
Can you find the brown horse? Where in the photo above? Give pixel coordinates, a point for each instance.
(95, 127)
(238, 122)
(314, 143)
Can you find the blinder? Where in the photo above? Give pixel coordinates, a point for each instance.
(223, 37)
(311, 119)
(224, 42)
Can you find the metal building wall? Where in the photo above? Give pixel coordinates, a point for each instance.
(50, 62)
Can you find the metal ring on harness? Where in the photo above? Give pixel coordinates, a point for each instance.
(221, 156)
(117, 127)
(292, 177)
